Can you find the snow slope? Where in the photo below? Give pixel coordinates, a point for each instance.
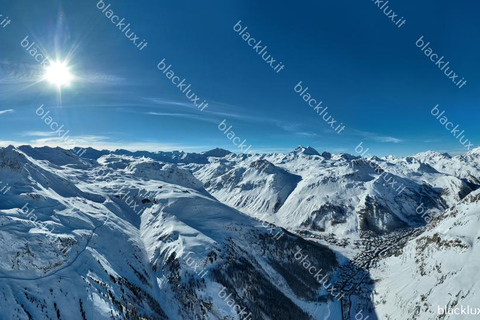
(169, 235)
(132, 238)
(339, 194)
(438, 268)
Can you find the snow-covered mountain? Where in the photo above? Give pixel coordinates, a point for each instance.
(216, 235)
(131, 238)
(466, 166)
(436, 271)
(338, 194)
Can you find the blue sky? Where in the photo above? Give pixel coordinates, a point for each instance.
(365, 69)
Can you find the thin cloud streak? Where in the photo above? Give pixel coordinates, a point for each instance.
(6, 111)
(376, 137)
(182, 115)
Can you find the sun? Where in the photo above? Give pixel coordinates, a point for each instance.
(58, 73)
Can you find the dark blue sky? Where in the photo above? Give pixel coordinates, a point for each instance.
(367, 71)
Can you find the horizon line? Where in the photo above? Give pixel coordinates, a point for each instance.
(112, 149)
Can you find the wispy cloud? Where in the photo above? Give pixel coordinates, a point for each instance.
(184, 109)
(377, 137)
(16, 73)
(387, 139)
(228, 111)
(183, 115)
(6, 111)
(37, 133)
(306, 134)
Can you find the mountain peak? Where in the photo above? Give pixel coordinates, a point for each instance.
(474, 151)
(217, 152)
(431, 155)
(309, 151)
(11, 158)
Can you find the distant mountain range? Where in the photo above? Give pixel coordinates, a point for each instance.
(218, 235)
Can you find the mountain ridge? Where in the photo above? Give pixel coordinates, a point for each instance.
(163, 233)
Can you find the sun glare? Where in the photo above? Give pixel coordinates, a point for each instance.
(58, 73)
